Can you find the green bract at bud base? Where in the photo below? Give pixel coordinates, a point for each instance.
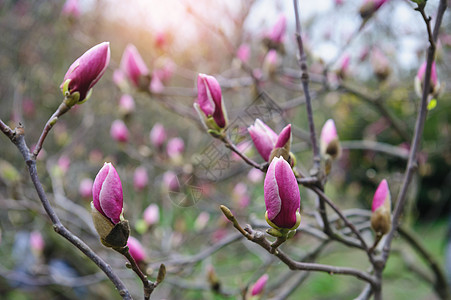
(112, 236)
(209, 123)
(278, 232)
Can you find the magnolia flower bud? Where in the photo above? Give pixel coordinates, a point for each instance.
(243, 53)
(140, 178)
(259, 285)
(171, 182)
(157, 135)
(37, 243)
(264, 138)
(381, 209)
(126, 104)
(419, 81)
(380, 64)
(85, 188)
(283, 145)
(84, 73)
(344, 67)
(71, 9)
(119, 131)
(277, 33)
(210, 105)
(134, 67)
(270, 63)
(329, 142)
(175, 148)
(107, 208)
(282, 198)
(136, 250)
(369, 7)
(151, 214)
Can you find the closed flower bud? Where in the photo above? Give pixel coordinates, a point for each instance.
(369, 7)
(264, 138)
(243, 53)
(107, 208)
(210, 105)
(175, 148)
(151, 214)
(171, 182)
(283, 145)
(282, 198)
(270, 63)
(329, 142)
(119, 131)
(419, 81)
(259, 285)
(37, 243)
(71, 9)
(136, 250)
(140, 178)
(134, 67)
(157, 135)
(380, 64)
(381, 209)
(84, 73)
(85, 188)
(277, 33)
(126, 104)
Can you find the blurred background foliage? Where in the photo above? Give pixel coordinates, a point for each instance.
(38, 44)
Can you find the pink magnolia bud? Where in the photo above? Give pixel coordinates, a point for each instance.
(344, 67)
(259, 285)
(171, 182)
(329, 142)
(140, 178)
(156, 85)
(264, 138)
(107, 195)
(243, 53)
(210, 105)
(339, 2)
(175, 147)
(240, 195)
(136, 250)
(151, 214)
(85, 187)
(71, 9)
(85, 72)
(28, 107)
(64, 163)
(255, 175)
(369, 7)
(381, 209)
(284, 137)
(126, 104)
(283, 145)
(119, 131)
(201, 221)
(270, 63)
(419, 80)
(157, 135)
(282, 198)
(134, 67)
(380, 64)
(278, 31)
(36, 241)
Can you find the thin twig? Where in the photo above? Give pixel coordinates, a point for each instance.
(411, 164)
(18, 139)
(441, 285)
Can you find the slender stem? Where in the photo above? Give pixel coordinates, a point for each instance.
(441, 285)
(411, 164)
(19, 140)
(229, 144)
(61, 110)
(305, 85)
(258, 238)
(6, 130)
(149, 286)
